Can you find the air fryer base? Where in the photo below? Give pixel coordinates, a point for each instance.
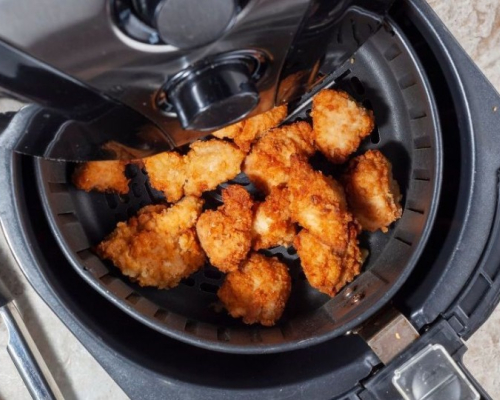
(453, 289)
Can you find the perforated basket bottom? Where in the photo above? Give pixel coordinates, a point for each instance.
(384, 77)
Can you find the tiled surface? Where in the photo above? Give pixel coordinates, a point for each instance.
(476, 24)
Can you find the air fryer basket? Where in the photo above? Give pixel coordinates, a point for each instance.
(385, 75)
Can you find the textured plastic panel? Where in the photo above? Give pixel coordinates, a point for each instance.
(384, 76)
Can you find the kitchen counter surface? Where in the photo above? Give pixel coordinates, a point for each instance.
(476, 25)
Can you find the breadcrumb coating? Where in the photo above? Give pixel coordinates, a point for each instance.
(167, 173)
(339, 124)
(317, 203)
(226, 233)
(373, 194)
(157, 247)
(325, 269)
(257, 292)
(102, 176)
(210, 163)
(268, 164)
(272, 224)
(245, 132)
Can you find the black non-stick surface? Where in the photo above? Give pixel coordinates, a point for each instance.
(385, 77)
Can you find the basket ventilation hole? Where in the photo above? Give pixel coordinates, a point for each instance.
(209, 288)
(107, 279)
(375, 135)
(111, 200)
(133, 298)
(343, 75)
(407, 81)
(136, 189)
(392, 52)
(422, 142)
(357, 85)
(131, 171)
(56, 187)
(212, 274)
(421, 175)
(255, 336)
(408, 243)
(190, 326)
(161, 314)
(124, 198)
(223, 335)
(417, 114)
(188, 282)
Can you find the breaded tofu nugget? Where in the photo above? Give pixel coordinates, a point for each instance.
(317, 203)
(272, 225)
(268, 164)
(210, 163)
(245, 132)
(325, 269)
(102, 176)
(226, 233)
(258, 292)
(339, 124)
(372, 193)
(158, 247)
(167, 173)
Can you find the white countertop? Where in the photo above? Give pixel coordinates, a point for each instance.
(476, 24)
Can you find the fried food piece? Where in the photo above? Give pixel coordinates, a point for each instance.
(158, 247)
(272, 225)
(245, 132)
(226, 234)
(209, 164)
(317, 203)
(325, 269)
(339, 124)
(258, 292)
(373, 195)
(268, 164)
(167, 173)
(102, 176)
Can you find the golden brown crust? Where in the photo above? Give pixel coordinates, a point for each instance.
(258, 292)
(268, 164)
(325, 269)
(225, 234)
(245, 132)
(317, 203)
(210, 163)
(272, 225)
(158, 247)
(373, 195)
(167, 173)
(102, 176)
(339, 124)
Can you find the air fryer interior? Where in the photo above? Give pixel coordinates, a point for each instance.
(385, 76)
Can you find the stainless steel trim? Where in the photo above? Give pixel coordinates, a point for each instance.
(27, 358)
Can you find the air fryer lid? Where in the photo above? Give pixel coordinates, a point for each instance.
(386, 76)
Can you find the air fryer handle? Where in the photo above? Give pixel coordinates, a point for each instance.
(27, 358)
